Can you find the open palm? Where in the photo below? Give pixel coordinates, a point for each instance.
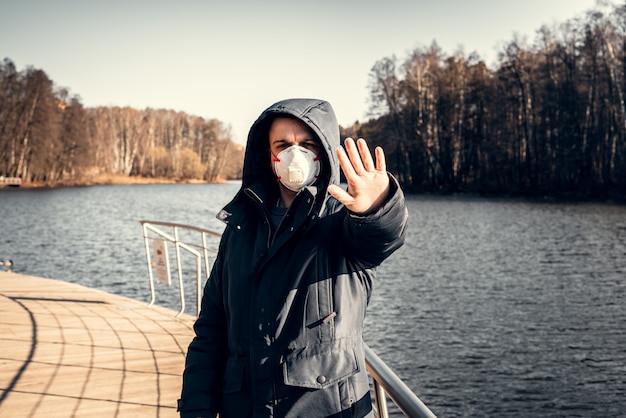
(368, 183)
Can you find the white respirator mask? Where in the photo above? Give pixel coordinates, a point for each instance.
(296, 167)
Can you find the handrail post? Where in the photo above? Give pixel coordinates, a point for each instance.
(205, 250)
(207, 269)
(381, 399)
(180, 272)
(398, 391)
(198, 284)
(152, 290)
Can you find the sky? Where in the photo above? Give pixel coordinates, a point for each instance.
(230, 59)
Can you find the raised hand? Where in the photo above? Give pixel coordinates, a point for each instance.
(368, 184)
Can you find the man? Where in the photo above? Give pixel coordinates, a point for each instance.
(281, 322)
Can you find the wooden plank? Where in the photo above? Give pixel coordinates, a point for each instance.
(70, 351)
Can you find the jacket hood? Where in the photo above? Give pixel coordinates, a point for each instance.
(317, 115)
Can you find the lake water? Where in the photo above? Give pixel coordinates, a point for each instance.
(493, 308)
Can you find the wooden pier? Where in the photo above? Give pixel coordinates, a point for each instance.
(70, 351)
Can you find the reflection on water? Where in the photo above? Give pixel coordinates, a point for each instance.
(493, 307)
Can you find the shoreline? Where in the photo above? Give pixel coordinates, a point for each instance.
(120, 179)
(103, 180)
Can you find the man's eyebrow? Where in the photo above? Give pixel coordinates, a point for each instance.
(274, 141)
(306, 138)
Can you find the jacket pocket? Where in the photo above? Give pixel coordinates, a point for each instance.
(233, 375)
(320, 366)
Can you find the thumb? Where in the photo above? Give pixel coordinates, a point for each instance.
(340, 194)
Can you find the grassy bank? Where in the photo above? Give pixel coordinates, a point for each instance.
(108, 179)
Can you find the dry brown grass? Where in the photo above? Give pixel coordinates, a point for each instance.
(107, 179)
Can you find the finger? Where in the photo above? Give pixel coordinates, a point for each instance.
(366, 155)
(340, 194)
(355, 158)
(381, 163)
(345, 163)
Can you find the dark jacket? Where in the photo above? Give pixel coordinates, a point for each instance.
(281, 323)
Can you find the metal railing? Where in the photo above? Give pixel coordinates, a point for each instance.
(385, 383)
(198, 247)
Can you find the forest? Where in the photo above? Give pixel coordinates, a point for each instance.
(49, 137)
(547, 119)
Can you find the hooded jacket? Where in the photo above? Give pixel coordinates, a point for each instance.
(281, 323)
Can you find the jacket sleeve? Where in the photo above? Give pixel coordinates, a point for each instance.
(207, 352)
(376, 235)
